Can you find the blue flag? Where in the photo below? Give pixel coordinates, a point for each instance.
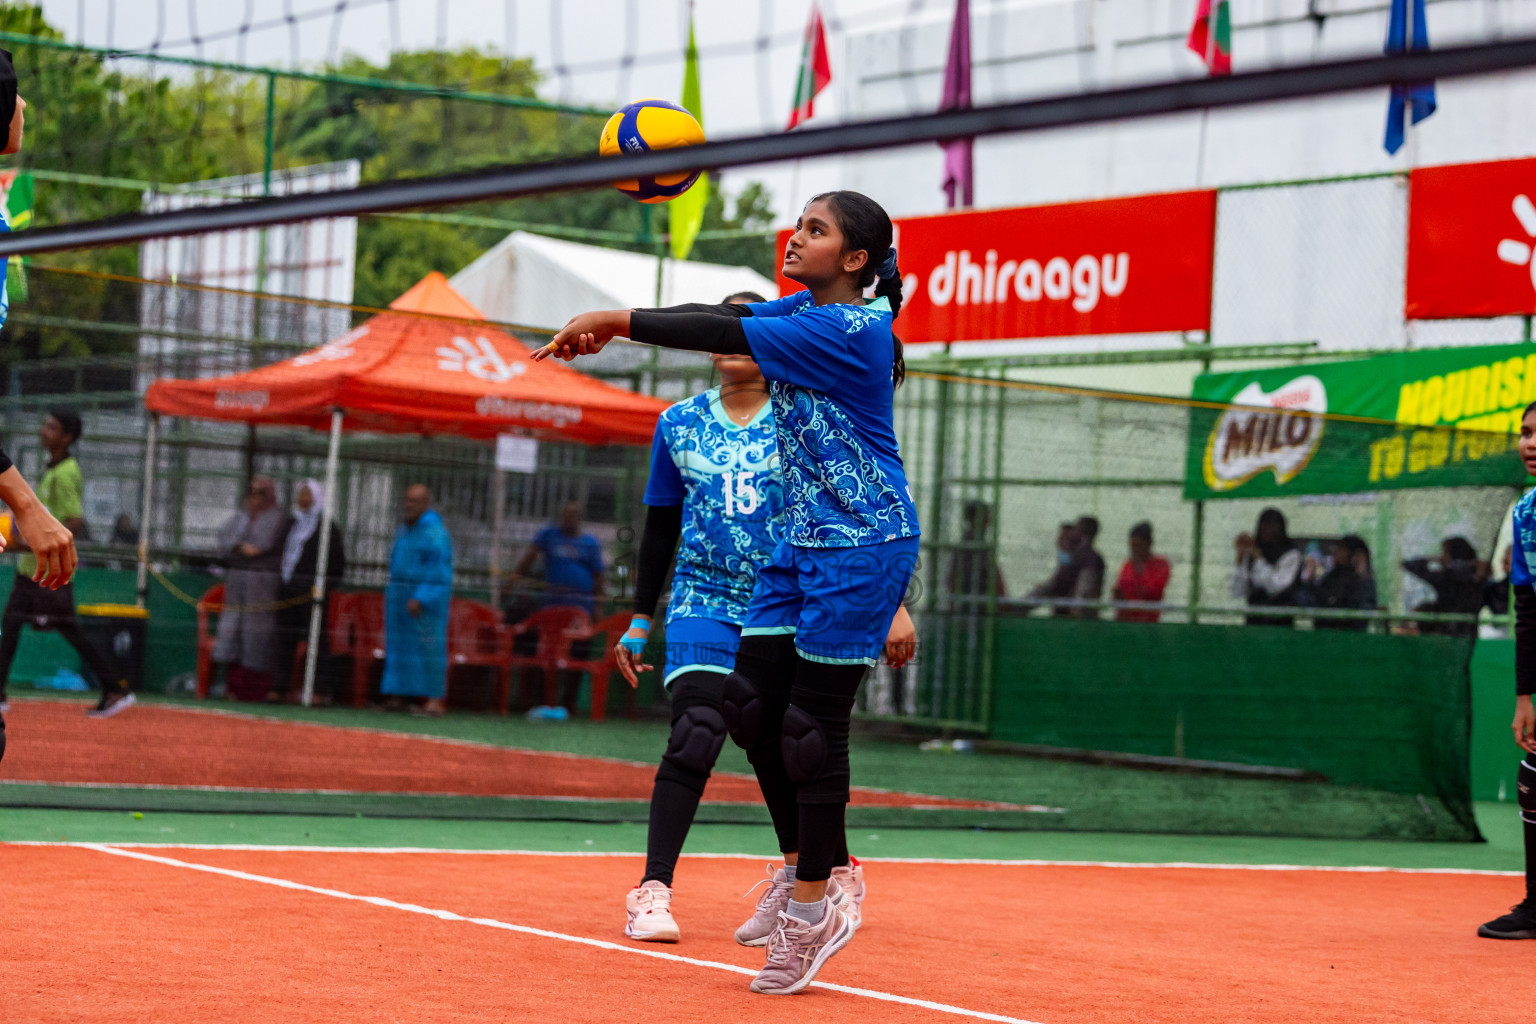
(1420, 94)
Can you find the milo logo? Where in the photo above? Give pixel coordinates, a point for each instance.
(1278, 431)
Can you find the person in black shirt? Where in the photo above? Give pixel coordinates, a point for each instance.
(1458, 578)
(1348, 585)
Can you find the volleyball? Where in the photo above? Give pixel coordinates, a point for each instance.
(646, 125)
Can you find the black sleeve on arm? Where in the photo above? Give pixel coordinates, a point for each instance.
(663, 526)
(693, 332)
(739, 310)
(5, 461)
(1525, 639)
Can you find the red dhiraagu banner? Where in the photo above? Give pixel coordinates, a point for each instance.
(1112, 266)
(1471, 233)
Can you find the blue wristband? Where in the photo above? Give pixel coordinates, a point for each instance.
(636, 644)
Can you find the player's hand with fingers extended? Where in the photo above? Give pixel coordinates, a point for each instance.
(585, 335)
(631, 647)
(901, 639)
(51, 541)
(1524, 725)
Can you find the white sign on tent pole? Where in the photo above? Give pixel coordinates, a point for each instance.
(517, 454)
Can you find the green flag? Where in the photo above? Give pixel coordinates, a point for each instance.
(18, 214)
(686, 214)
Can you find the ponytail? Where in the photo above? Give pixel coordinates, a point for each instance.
(888, 287)
(865, 225)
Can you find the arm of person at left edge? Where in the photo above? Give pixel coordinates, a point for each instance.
(53, 544)
(901, 639)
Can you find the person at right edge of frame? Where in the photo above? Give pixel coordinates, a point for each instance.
(51, 542)
(1520, 922)
(821, 608)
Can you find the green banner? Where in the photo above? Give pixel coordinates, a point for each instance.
(1452, 415)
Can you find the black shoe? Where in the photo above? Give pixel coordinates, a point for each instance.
(1519, 923)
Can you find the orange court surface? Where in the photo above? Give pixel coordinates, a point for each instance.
(122, 933)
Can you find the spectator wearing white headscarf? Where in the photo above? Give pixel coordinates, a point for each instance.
(301, 553)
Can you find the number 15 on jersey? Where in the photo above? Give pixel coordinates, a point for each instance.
(740, 493)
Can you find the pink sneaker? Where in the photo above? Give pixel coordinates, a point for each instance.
(796, 951)
(650, 913)
(773, 902)
(850, 880)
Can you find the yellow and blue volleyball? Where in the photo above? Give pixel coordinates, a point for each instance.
(646, 125)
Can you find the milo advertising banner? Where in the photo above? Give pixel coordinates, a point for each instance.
(1434, 418)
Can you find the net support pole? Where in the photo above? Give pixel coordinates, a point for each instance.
(146, 508)
(499, 484)
(323, 559)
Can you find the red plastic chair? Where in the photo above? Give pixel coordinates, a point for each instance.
(357, 630)
(605, 633)
(556, 627)
(477, 636)
(209, 605)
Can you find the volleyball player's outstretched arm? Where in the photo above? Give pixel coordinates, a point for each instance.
(693, 327)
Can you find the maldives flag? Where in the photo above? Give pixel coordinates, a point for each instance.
(815, 69)
(1211, 37)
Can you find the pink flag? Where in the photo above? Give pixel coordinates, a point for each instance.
(957, 96)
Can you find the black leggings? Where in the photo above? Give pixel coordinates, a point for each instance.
(27, 603)
(680, 780)
(808, 817)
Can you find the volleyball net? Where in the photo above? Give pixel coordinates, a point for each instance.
(1029, 706)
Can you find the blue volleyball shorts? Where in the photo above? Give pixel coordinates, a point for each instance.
(837, 602)
(699, 645)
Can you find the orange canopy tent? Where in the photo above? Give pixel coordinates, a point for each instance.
(431, 365)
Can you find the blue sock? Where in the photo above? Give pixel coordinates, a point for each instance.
(789, 872)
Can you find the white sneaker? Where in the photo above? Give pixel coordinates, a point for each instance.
(650, 913)
(851, 880)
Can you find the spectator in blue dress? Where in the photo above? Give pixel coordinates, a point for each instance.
(416, 607)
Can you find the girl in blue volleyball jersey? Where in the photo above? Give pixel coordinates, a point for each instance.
(715, 485)
(820, 609)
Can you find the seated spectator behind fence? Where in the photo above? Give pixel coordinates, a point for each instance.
(1458, 578)
(1268, 569)
(573, 575)
(1079, 569)
(976, 558)
(1348, 584)
(573, 562)
(1143, 577)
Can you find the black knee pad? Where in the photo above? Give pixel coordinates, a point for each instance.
(1525, 786)
(697, 736)
(745, 710)
(805, 746)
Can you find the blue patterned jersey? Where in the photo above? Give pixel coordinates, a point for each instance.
(829, 369)
(726, 477)
(1525, 542)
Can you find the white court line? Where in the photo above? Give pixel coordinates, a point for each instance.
(962, 861)
(448, 915)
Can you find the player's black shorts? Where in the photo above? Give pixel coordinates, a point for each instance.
(37, 606)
